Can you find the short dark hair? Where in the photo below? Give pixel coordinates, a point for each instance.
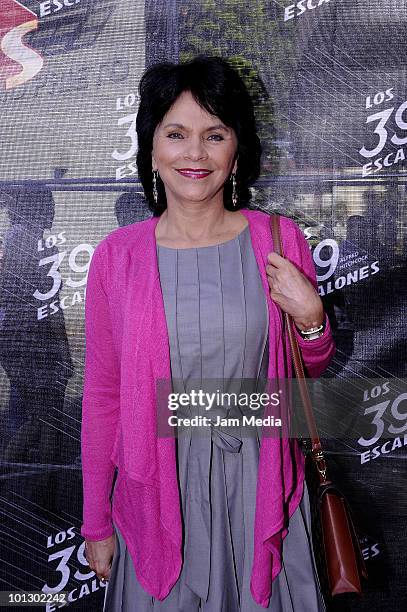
(218, 88)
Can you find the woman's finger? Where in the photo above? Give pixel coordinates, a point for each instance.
(102, 570)
(276, 260)
(273, 272)
(109, 571)
(270, 280)
(273, 283)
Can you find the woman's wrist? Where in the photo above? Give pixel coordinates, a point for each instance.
(305, 324)
(312, 332)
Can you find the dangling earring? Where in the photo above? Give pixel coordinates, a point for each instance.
(234, 192)
(155, 192)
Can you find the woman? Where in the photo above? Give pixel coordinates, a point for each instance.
(212, 520)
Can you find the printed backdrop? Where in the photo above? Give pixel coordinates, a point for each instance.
(328, 80)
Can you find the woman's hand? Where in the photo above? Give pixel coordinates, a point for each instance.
(99, 555)
(294, 293)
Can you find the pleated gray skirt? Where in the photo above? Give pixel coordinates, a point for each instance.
(295, 589)
(217, 320)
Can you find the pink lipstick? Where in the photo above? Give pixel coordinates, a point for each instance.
(194, 173)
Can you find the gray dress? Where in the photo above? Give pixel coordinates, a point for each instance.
(217, 321)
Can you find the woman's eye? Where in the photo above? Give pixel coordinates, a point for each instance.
(218, 137)
(177, 135)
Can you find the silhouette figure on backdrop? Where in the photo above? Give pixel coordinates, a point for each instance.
(359, 259)
(381, 213)
(34, 350)
(131, 207)
(374, 297)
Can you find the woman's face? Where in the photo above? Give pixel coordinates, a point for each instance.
(193, 151)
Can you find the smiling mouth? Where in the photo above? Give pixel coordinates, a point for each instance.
(193, 174)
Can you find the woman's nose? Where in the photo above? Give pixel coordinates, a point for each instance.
(195, 148)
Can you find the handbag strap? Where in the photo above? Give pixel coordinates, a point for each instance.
(316, 447)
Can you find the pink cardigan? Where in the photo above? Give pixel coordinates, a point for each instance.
(127, 349)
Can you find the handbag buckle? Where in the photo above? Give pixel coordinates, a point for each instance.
(320, 463)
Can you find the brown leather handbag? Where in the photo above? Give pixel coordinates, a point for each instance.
(338, 555)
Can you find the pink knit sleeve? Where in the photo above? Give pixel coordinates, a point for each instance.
(100, 406)
(317, 354)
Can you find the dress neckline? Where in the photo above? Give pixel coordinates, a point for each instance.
(210, 246)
